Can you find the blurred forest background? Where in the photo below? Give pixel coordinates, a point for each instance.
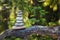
(35, 12)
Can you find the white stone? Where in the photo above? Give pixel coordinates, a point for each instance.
(19, 15)
(19, 18)
(19, 23)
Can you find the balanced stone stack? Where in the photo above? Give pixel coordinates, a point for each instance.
(19, 21)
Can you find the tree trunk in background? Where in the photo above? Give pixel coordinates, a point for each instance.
(5, 16)
(59, 11)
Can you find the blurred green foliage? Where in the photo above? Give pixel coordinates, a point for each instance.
(35, 12)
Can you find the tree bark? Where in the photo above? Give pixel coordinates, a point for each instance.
(24, 34)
